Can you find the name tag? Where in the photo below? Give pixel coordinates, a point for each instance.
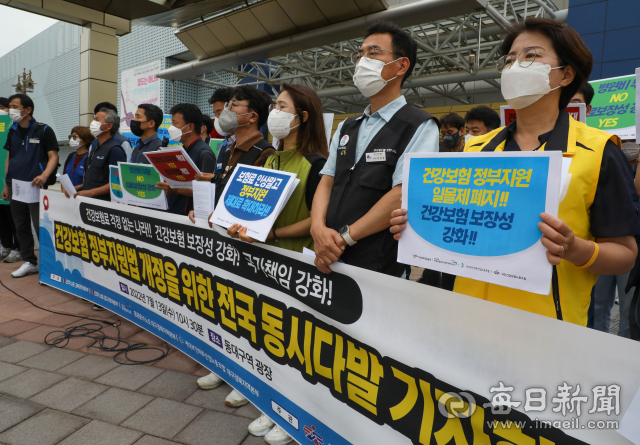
(34, 141)
(376, 156)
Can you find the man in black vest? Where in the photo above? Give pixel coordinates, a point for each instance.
(186, 124)
(362, 179)
(145, 125)
(107, 153)
(33, 157)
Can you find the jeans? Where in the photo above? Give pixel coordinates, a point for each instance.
(24, 215)
(602, 300)
(8, 236)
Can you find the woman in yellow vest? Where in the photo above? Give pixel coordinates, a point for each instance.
(544, 63)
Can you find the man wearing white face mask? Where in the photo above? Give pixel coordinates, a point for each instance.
(362, 179)
(186, 124)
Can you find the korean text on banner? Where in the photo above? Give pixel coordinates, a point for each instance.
(139, 186)
(254, 198)
(175, 166)
(476, 215)
(353, 357)
(614, 106)
(24, 191)
(115, 186)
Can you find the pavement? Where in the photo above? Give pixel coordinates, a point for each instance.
(81, 396)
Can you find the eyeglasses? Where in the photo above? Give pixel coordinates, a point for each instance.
(231, 104)
(72, 137)
(525, 59)
(372, 52)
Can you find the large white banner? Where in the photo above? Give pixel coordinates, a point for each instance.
(138, 85)
(353, 357)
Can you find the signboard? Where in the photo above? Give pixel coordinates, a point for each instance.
(175, 166)
(577, 111)
(163, 132)
(614, 106)
(353, 357)
(115, 186)
(254, 198)
(476, 215)
(138, 85)
(5, 124)
(138, 184)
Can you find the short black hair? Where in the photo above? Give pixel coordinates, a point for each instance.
(207, 122)
(452, 120)
(4, 102)
(25, 101)
(259, 101)
(152, 113)
(402, 43)
(221, 95)
(587, 91)
(107, 105)
(489, 117)
(191, 115)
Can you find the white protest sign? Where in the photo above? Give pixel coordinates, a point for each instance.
(23, 191)
(67, 184)
(204, 199)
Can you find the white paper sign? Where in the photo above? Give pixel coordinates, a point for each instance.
(23, 191)
(204, 198)
(67, 184)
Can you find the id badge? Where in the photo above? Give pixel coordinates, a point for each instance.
(34, 141)
(376, 156)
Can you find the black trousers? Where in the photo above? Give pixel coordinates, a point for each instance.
(634, 315)
(8, 236)
(438, 279)
(24, 216)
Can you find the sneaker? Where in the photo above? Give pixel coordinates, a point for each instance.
(4, 252)
(13, 257)
(235, 399)
(26, 269)
(277, 436)
(98, 308)
(261, 426)
(211, 381)
(86, 301)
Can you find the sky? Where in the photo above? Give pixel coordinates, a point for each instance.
(19, 26)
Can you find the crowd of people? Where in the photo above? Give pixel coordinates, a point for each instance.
(347, 208)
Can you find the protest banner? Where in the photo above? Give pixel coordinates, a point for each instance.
(577, 111)
(138, 85)
(254, 198)
(614, 106)
(5, 125)
(476, 215)
(138, 184)
(115, 186)
(415, 364)
(175, 166)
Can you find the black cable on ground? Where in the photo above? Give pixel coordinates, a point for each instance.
(94, 331)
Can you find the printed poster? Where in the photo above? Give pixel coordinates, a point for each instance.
(476, 215)
(175, 166)
(138, 85)
(138, 184)
(614, 106)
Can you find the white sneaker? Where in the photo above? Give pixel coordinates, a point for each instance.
(277, 436)
(261, 426)
(4, 252)
(235, 399)
(26, 269)
(211, 381)
(13, 257)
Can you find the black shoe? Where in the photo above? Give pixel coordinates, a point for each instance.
(97, 308)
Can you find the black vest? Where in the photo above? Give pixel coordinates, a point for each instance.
(96, 171)
(180, 204)
(357, 187)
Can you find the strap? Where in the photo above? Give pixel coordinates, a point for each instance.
(556, 293)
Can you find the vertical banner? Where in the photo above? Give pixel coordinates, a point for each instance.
(614, 106)
(476, 215)
(5, 124)
(138, 85)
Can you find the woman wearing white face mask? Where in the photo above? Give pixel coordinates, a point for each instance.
(544, 64)
(80, 140)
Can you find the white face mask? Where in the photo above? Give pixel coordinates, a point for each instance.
(467, 138)
(279, 123)
(522, 87)
(175, 133)
(3, 113)
(368, 76)
(15, 115)
(216, 125)
(94, 128)
(75, 143)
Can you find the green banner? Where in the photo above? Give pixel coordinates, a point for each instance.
(215, 145)
(5, 124)
(140, 180)
(614, 106)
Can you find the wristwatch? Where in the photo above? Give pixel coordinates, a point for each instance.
(344, 233)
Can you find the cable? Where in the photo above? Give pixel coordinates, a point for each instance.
(94, 331)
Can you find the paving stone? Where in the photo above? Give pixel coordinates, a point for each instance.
(162, 417)
(178, 361)
(14, 411)
(45, 428)
(212, 399)
(249, 411)
(69, 394)
(101, 433)
(21, 350)
(54, 358)
(113, 405)
(6, 341)
(130, 377)
(171, 385)
(88, 367)
(253, 440)
(14, 327)
(227, 429)
(151, 440)
(8, 370)
(29, 383)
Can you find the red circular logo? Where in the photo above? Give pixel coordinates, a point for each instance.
(45, 202)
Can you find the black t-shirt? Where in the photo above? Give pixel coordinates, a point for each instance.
(614, 210)
(49, 142)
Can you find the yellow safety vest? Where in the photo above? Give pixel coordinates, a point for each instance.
(585, 146)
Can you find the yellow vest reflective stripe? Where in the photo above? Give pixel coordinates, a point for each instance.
(584, 145)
